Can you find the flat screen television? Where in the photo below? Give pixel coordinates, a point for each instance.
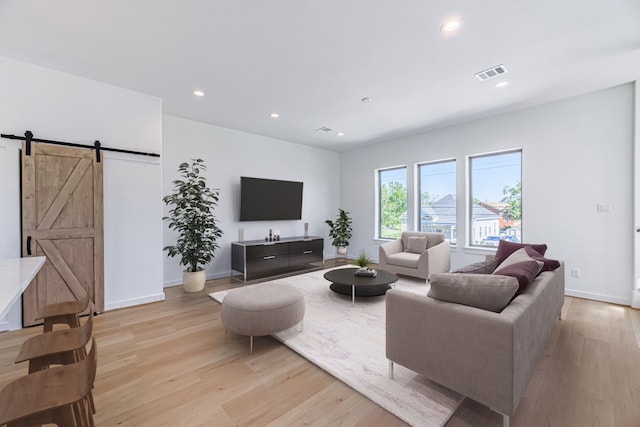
(269, 199)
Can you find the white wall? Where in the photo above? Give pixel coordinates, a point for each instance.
(230, 154)
(576, 153)
(64, 107)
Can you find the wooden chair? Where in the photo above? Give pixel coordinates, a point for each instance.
(66, 312)
(57, 395)
(59, 347)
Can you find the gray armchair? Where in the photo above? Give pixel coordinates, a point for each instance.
(416, 254)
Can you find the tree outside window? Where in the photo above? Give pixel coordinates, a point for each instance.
(392, 198)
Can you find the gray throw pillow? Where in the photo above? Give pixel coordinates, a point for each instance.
(416, 244)
(484, 291)
(482, 267)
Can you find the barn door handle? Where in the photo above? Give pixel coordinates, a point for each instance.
(28, 245)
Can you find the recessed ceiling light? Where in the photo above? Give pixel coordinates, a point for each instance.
(198, 93)
(340, 133)
(366, 99)
(451, 25)
(274, 115)
(502, 84)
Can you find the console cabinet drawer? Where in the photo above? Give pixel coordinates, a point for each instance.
(270, 263)
(260, 251)
(306, 246)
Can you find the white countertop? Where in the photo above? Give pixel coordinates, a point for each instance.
(15, 276)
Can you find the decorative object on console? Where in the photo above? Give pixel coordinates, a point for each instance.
(340, 231)
(191, 215)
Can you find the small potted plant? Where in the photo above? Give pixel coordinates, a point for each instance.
(191, 215)
(340, 231)
(363, 260)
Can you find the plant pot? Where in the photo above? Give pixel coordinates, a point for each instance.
(342, 250)
(193, 281)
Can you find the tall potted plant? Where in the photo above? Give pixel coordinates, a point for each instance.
(191, 215)
(340, 231)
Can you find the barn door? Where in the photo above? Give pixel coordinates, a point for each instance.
(62, 220)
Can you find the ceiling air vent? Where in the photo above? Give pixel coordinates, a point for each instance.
(490, 73)
(324, 129)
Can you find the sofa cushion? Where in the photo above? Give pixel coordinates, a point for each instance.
(519, 256)
(433, 239)
(549, 264)
(525, 272)
(416, 244)
(404, 259)
(482, 267)
(484, 291)
(506, 248)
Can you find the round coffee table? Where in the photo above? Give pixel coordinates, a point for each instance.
(345, 282)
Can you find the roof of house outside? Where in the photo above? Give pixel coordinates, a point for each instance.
(443, 211)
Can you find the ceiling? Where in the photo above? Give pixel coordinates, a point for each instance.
(313, 61)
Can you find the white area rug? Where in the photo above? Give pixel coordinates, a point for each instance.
(348, 341)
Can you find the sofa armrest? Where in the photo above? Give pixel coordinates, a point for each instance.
(438, 258)
(466, 349)
(389, 248)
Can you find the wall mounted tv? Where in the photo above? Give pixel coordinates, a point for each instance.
(269, 199)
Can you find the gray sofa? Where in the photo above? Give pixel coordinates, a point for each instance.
(400, 257)
(481, 354)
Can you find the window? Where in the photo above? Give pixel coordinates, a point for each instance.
(392, 202)
(437, 198)
(495, 189)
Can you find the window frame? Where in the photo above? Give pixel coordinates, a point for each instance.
(418, 193)
(469, 194)
(378, 198)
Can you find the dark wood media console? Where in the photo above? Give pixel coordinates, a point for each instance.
(260, 258)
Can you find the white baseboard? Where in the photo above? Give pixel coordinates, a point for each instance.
(133, 301)
(597, 297)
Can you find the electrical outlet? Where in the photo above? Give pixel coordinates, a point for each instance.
(575, 272)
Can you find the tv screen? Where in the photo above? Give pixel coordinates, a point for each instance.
(269, 199)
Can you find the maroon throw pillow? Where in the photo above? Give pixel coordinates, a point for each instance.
(549, 264)
(525, 272)
(506, 248)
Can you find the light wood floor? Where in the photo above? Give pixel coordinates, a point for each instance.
(171, 363)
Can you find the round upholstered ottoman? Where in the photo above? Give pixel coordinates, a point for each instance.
(262, 309)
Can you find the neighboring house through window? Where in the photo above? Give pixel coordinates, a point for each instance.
(437, 198)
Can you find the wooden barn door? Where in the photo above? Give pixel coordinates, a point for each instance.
(62, 219)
